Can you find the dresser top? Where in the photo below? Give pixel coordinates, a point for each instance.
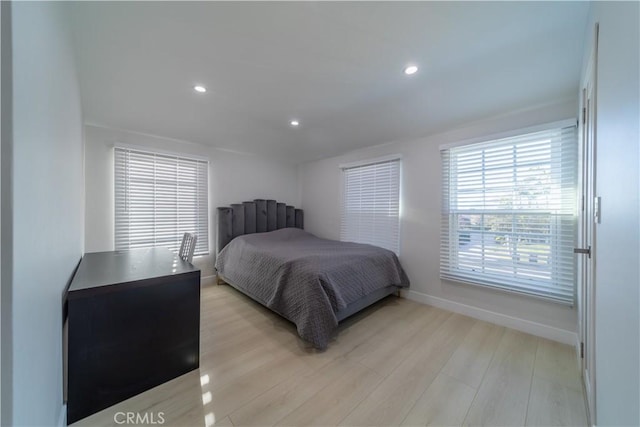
(100, 269)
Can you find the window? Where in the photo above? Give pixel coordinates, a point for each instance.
(371, 203)
(509, 213)
(158, 198)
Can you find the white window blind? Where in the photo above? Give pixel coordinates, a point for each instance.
(158, 198)
(371, 204)
(509, 213)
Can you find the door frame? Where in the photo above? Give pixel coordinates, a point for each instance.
(586, 229)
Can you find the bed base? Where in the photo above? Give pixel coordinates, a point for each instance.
(352, 308)
(365, 302)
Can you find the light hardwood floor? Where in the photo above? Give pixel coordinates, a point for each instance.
(396, 363)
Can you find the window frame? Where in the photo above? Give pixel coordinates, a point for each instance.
(364, 163)
(450, 228)
(202, 185)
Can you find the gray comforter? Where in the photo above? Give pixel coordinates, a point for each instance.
(307, 279)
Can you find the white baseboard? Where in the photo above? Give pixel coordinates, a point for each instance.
(533, 328)
(208, 280)
(62, 419)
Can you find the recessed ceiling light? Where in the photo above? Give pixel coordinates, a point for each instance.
(411, 69)
(200, 89)
(294, 123)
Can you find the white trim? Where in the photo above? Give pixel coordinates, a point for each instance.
(515, 132)
(549, 332)
(382, 159)
(153, 150)
(62, 419)
(507, 289)
(587, 396)
(400, 200)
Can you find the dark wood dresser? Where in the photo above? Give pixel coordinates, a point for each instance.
(134, 323)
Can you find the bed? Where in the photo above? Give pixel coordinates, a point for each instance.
(263, 251)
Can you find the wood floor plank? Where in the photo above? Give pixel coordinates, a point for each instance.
(504, 392)
(553, 404)
(174, 401)
(218, 350)
(230, 332)
(276, 403)
(228, 370)
(225, 399)
(358, 329)
(392, 399)
(445, 402)
(380, 351)
(243, 339)
(335, 401)
(471, 360)
(557, 362)
(225, 422)
(225, 315)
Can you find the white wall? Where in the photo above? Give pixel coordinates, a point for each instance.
(420, 223)
(233, 178)
(47, 205)
(617, 238)
(6, 243)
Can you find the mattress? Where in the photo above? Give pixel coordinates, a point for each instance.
(306, 279)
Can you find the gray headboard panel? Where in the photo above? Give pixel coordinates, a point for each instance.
(257, 216)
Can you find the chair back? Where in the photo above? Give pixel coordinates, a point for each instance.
(188, 246)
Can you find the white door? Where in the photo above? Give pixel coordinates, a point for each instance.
(588, 217)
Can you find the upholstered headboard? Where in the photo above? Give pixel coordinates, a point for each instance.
(258, 216)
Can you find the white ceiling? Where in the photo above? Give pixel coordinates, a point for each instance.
(337, 67)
